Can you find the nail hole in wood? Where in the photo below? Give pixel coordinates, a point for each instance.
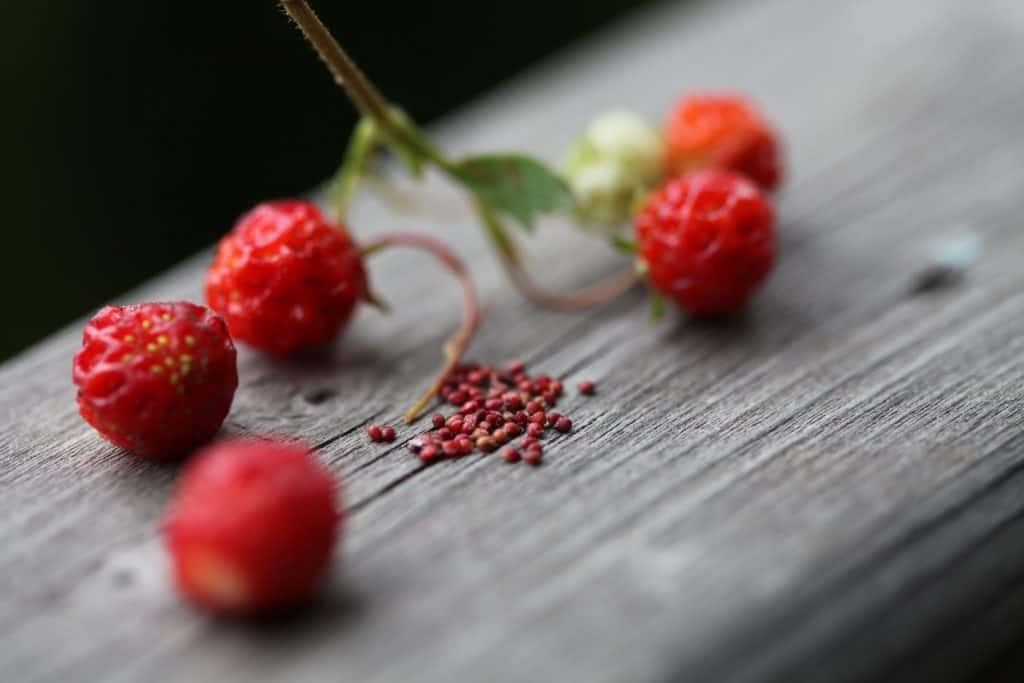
(319, 396)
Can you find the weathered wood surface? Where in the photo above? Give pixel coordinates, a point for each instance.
(831, 488)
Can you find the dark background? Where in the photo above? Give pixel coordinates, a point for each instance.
(134, 133)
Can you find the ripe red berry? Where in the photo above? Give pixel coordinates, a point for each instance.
(511, 454)
(156, 378)
(708, 240)
(252, 526)
(286, 278)
(428, 453)
(717, 131)
(375, 433)
(387, 433)
(587, 388)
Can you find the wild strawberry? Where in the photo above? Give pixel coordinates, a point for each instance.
(286, 278)
(722, 132)
(618, 157)
(252, 526)
(155, 378)
(707, 240)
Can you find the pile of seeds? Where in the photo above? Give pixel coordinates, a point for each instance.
(495, 407)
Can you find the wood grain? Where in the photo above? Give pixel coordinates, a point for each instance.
(828, 488)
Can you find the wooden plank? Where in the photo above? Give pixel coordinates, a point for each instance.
(826, 489)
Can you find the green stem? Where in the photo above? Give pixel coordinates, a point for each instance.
(343, 185)
(393, 125)
(495, 229)
(402, 133)
(593, 295)
(345, 72)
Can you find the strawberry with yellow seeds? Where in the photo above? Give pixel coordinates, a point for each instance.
(156, 378)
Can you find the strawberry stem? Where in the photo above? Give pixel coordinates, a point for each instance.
(346, 74)
(357, 156)
(404, 135)
(393, 125)
(586, 297)
(456, 346)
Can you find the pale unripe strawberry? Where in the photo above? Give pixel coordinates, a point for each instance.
(618, 158)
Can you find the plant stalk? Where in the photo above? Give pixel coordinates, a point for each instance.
(455, 347)
(395, 127)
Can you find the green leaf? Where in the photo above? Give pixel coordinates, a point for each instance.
(515, 185)
(623, 244)
(657, 306)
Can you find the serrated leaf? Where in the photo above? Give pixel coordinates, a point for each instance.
(515, 185)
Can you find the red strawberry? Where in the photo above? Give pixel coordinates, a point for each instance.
(156, 378)
(723, 132)
(707, 240)
(286, 278)
(252, 526)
